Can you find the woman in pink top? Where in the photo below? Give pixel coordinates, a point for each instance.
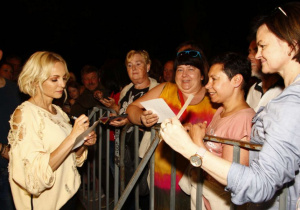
(233, 120)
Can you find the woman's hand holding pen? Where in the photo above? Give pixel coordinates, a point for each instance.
(81, 124)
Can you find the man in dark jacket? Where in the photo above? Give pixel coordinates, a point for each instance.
(91, 81)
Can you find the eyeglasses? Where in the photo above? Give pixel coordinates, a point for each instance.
(193, 53)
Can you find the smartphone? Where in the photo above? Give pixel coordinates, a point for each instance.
(118, 117)
(104, 120)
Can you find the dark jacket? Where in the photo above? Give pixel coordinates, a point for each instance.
(86, 101)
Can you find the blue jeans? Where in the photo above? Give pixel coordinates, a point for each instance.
(6, 199)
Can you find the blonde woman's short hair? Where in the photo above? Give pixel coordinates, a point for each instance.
(143, 53)
(37, 70)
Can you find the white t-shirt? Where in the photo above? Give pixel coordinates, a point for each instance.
(255, 99)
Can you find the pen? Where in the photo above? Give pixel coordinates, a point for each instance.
(74, 118)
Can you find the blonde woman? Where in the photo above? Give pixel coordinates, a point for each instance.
(43, 165)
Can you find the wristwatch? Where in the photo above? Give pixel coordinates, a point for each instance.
(196, 159)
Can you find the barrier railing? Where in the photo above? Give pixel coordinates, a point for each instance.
(91, 190)
(96, 168)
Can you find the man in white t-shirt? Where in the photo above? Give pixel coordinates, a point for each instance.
(267, 87)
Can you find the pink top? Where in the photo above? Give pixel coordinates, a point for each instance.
(235, 126)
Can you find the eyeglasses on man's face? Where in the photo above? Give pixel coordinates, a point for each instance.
(193, 53)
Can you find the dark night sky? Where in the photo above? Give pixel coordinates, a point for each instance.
(93, 31)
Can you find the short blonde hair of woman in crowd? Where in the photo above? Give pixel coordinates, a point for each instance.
(143, 53)
(37, 70)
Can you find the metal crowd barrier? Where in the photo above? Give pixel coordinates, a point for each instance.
(91, 189)
(95, 173)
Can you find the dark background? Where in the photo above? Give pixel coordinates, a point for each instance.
(91, 31)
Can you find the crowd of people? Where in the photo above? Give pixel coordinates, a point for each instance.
(275, 125)
(252, 98)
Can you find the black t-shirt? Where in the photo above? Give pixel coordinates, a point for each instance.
(131, 95)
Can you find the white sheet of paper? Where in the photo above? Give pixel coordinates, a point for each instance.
(159, 107)
(80, 139)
